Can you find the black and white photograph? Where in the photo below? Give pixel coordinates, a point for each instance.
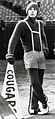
(27, 59)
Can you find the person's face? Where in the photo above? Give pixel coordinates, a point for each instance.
(32, 12)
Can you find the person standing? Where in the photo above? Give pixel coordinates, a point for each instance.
(31, 33)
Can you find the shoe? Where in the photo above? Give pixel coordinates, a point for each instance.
(32, 111)
(43, 111)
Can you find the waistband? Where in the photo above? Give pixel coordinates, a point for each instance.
(31, 50)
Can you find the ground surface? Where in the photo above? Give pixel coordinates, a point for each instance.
(23, 84)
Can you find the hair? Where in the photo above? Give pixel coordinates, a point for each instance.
(34, 4)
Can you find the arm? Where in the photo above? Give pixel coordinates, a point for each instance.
(13, 42)
(44, 40)
(14, 38)
(43, 36)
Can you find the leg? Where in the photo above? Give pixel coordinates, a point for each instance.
(33, 98)
(41, 73)
(37, 93)
(33, 75)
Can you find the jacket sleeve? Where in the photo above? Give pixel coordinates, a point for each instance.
(14, 38)
(43, 36)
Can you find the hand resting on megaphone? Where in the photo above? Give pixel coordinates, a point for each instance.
(10, 58)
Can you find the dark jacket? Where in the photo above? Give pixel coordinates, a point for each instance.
(22, 32)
